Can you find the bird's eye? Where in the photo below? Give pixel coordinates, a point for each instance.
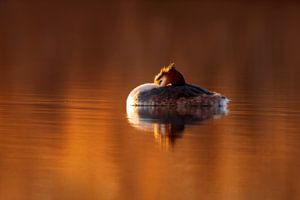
(160, 82)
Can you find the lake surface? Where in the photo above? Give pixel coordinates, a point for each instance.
(66, 71)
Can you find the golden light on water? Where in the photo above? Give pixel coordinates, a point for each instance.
(66, 71)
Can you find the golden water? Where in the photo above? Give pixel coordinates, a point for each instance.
(67, 68)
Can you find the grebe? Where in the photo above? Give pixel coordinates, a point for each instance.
(170, 89)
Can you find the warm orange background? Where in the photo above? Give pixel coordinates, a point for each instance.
(66, 69)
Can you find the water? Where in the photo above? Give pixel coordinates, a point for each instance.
(66, 71)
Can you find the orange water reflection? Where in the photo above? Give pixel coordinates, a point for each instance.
(67, 68)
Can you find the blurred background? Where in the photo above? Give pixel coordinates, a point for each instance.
(66, 68)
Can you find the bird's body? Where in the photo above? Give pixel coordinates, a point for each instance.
(170, 89)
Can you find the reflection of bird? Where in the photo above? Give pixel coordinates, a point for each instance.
(169, 88)
(168, 123)
(166, 134)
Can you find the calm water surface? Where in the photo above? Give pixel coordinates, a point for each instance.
(64, 129)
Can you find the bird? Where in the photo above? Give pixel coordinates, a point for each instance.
(169, 88)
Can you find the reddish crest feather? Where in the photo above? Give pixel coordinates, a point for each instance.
(174, 77)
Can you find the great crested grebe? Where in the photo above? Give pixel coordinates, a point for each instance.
(170, 89)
